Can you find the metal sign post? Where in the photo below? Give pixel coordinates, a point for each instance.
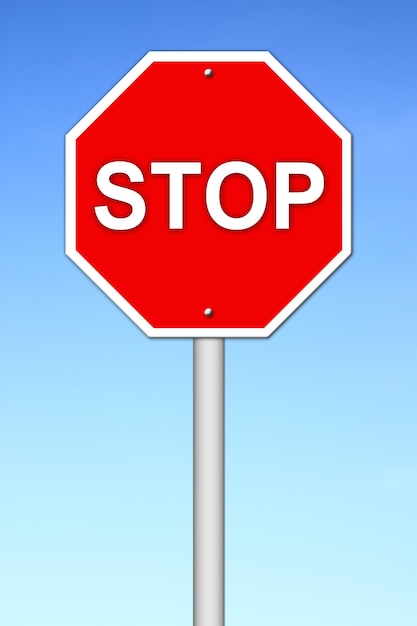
(208, 482)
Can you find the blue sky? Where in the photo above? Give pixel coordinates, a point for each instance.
(96, 418)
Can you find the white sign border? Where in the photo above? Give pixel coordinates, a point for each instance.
(206, 57)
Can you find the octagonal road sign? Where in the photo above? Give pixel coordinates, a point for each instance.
(208, 194)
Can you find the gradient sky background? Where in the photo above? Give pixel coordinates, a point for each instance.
(96, 419)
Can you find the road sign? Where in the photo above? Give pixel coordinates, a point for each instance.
(208, 194)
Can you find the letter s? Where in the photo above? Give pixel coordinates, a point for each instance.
(116, 192)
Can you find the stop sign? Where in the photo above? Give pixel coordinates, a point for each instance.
(208, 194)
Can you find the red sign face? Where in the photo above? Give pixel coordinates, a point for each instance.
(208, 194)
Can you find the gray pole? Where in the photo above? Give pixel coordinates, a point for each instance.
(208, 482)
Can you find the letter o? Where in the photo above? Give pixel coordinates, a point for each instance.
(214, 206)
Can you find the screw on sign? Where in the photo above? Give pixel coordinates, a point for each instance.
(208, 195)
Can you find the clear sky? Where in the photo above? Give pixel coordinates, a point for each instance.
(96, 418)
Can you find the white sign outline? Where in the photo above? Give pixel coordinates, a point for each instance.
(206, 57)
